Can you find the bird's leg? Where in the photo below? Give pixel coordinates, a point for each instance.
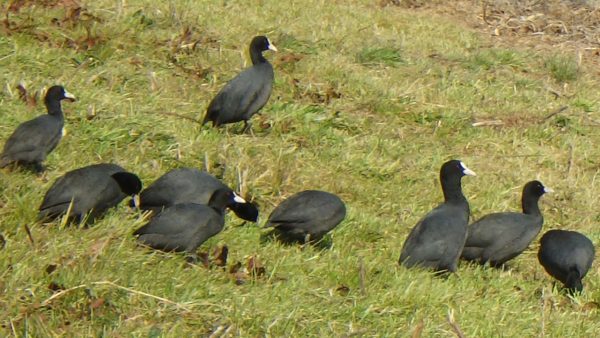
(192, 258)
(38, 168)
(247, 128)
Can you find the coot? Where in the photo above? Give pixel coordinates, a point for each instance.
(566, 256)
(185, 226)
(33, 140)
(247, 93)
(307, 215)
(437, 239)
(92, 189)
(189, 185)
(499, 237)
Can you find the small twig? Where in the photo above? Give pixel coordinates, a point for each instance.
(555, 112)
(418, 330)
(362, 277)
(28, 231)
(488, 123)
(183, 117)
(543, 320)
(570, 164)
(164, 300)
(454, 325)
(437, 126)
(484, 10)
(60, 294)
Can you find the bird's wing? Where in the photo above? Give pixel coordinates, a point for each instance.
(179, 218)
(33, 134)
(240, 94)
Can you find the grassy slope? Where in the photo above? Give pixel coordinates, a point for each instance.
(411, 84)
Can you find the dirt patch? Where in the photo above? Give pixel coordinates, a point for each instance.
(566, 25)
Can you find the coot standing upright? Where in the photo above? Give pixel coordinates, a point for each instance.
(499, 237)
(33, 140)
(189, 185)
(184, 227)
(437, 239)
(307, 215)
(566, 256)
(92, 190)
(247, 93)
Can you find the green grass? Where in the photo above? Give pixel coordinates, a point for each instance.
(368, 102)
(562, 68)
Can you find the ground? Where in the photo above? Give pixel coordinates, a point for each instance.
(370, 98)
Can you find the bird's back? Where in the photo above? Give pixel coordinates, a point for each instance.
(184, 185)
(89, 187)
(33, 139)
(499, 237)
(242, 96)
(182, 227)
(437, 239)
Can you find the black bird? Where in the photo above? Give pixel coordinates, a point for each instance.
(92, 190)
(499, 237)
(188, 185)
(33, 140)
(306, 216)
(566, 256)
(247, 93)
(437, 239)
(184, 227)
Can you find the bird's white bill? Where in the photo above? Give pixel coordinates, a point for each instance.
(238, 199)
(136, 201)
(64, 131)
(272, 46)
(69, 95)
(546, 189)
(467, 171)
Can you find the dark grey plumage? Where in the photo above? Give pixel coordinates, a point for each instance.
(309, 214)
(247, 93)
(499, 237)
(93, 189)
(33, 140)
(184, 227)
(566, 256)
(437, 239)
(188, 185)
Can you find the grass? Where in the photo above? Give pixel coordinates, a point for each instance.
(368, 102)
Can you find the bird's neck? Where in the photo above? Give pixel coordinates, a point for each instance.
(453, 191)
(54, 108)
(530, 205)
(257, 57)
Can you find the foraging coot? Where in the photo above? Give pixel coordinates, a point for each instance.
(188, 185)
(33, 140)
(247, 93)
(184, 227)
(307, 215)
(93, 189)
(499, 237)
(437, 239)
(566, 256)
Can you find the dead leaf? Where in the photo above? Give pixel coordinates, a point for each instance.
(220, 256)
(55, 287)
(204, 259)
(29, 99)
(97, 248)
(96, 303)
(590, 306)
(255, 268)
(418, 330)
(50, 268)
(343, 290)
